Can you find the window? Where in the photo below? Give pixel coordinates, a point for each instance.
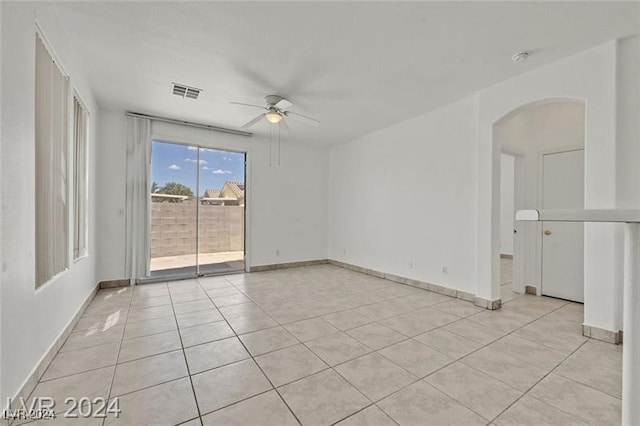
(51, 146)
(80, 123)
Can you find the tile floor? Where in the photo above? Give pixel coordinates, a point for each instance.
(324, 345)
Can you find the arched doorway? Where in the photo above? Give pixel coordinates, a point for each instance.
(546, 140)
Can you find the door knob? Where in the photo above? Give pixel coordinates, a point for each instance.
(547, 232)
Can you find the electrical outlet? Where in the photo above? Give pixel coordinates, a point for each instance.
(410, 265)
(445, 270)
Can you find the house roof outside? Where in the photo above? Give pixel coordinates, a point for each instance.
(212, 193)
(236, 187)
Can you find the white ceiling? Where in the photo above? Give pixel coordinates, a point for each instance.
(357, 67)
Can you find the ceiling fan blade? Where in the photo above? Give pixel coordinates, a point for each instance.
(284, 125)
(249, 105)
(252, 122)
(304, 118)
(283, 104)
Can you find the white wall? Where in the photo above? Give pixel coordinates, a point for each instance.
(402, 200)
(405, 193)
(529, 133)
(286, 202)
(588, 76)
(507, 203)
(33, 319)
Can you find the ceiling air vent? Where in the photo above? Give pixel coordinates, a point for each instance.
(185, 91)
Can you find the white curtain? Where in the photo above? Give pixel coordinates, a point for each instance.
(51, 146)
(138, 190)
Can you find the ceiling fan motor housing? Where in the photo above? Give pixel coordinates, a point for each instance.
(273, 99)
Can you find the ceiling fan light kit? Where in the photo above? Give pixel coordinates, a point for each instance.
(273, 117)
(276, 110)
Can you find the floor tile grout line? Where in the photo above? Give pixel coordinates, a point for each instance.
(257, 365)
(115, 367)
(573, 416)
(190, 420)
(373, 404)
(151, 386)
(584, 384)
(92, 346)
(238, 401)
(537, 382)
(184, 354)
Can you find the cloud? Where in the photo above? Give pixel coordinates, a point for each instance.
(193, 160)
(206, 168)
(192, 148)
(174, 167)
(221, 172)
(227, 159)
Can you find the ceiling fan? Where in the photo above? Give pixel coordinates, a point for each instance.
(276, 110)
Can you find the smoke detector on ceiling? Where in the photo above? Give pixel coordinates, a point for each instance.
(185, 91)
(520, 56)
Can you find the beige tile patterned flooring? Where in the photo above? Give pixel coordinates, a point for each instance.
(323, 345)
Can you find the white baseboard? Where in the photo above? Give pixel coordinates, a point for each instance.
(459, 294)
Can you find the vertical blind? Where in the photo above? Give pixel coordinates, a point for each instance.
(51, 137)
(80, 122)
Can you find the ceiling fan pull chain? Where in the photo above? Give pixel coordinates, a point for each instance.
(279, 143)
(270, 144)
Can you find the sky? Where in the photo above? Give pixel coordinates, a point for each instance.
(177, 163)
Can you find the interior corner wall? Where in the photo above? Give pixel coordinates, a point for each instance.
(589, 76)
(507, 203)
(628, 124)
(403, 199)
(2, 207)
(286, 198)
(33, 319)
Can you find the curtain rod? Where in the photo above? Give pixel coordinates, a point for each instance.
(189, 123)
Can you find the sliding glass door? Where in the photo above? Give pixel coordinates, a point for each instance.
(197, 211)
(221, 211)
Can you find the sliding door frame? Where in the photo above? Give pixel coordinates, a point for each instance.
(245, 221)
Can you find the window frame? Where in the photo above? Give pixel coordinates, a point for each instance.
(75, 96)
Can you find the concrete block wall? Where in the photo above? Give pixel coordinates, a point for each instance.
(173, 229)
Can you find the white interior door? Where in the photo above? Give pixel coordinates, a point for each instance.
(562, 242)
